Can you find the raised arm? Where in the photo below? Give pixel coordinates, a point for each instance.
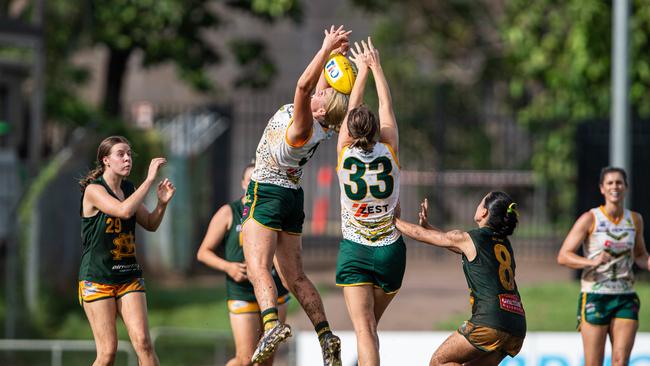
(387, 123)
(151, 220)
(577, 235)
(97, 198)
(301, 127)
(219, 225)
(641, 257)
(356, 96)
(455, 240)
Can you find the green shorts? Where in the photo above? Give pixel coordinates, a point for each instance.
(600, 309)
(381, 266)
(274, 207)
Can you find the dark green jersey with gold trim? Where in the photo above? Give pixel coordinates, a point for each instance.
(491, 279)
(108, 254)
(233, 252)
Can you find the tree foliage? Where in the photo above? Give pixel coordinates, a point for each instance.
(174, 31)
(559, 54)
(546, 62)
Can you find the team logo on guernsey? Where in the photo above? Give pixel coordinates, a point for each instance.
(124, 246)
(238, 228)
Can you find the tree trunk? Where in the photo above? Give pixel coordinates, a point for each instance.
(117, 60)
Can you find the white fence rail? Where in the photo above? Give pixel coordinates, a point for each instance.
(57, 347)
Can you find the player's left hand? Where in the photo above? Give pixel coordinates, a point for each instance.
(165, 191)
(423, 215)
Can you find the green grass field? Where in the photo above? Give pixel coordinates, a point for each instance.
(553, 306)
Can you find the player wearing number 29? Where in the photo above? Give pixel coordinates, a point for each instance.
(498, 324)
(273, 209)
(110, 278)
(372, 254)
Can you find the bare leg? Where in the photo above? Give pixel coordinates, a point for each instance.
(382, 300)
(246, 330)
(593, 342)
(259, 247)
(622, 333)
(101, 315)
(455, 350)
(133, 309)
(289, 265)
(362, 308)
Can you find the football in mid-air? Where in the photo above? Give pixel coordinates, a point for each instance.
(340, 73)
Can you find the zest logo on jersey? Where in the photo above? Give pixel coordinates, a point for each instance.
(363, 209)
(333, 70)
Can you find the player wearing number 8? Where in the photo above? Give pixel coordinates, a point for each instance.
(498, 324)
(372, 254)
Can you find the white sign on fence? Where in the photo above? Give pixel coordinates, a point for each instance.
(415, 348)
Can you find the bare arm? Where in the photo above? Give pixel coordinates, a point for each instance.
(97, 198)
(641, 257)
(356, 96)
(577, 235)
(219, 225)
(151, 220)
(387, 123)
(302, 124)
(455, 239)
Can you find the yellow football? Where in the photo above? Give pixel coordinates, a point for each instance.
(340, 73)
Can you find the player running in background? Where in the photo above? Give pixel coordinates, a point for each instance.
(273, 210)
(611, 237)
(498, 324)
(245, 319)
(372, 254)
(110, 278)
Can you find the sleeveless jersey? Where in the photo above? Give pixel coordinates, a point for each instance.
(491, 279)
(108, 254)
(276, 160)
(369, 183)
(617, 239)
(233, 252)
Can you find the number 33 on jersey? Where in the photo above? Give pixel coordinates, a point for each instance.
(369, 183)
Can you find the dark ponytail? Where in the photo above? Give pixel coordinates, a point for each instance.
(503, 214)
(103, 150)
(363, 126)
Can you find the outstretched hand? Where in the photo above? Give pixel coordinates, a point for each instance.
(165, 191)
(336, 39)
(423, 215)
(364, 55)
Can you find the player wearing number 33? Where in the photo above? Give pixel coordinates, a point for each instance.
(372, 254)
(498, 324)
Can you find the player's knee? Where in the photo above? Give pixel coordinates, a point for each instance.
(142, 344)
(619, 358)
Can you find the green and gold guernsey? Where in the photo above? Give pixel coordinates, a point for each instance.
(108, 254)
(491, 279)
(233, 252)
